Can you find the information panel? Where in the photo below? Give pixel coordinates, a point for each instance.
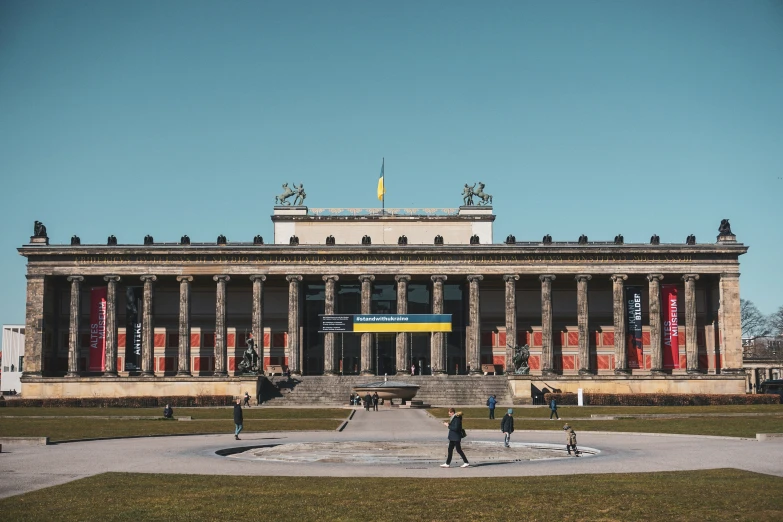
(364, 323)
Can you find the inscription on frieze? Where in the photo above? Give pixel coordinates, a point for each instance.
(380, 259)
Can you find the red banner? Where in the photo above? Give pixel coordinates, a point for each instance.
(98, 329)
(671, 330)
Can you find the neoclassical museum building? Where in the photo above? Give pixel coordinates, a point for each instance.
(152, 318)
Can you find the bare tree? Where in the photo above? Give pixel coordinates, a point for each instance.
(754, 323)
(775, 321)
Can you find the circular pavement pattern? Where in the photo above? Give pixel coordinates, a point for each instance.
(405, 453)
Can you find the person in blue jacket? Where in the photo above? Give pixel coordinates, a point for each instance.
(455, 436)
(553, 409)
(492, 402)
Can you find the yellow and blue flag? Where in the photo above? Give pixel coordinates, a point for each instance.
(381, 188)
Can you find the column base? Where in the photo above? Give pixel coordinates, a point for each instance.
(367, 373)
(548, 373)
(331, 373)
(585, 372)
(147, 374)
(622, 372)
(475, 372)
(184, 373)
(658, 371)
(693, 371)
(71, 375)
(110, 374)
(221, 373)
(438, 373)
(733, 371)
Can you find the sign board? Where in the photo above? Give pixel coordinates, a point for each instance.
(380, 323)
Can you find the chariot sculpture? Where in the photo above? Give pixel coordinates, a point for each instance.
(298, 194)
(469, 191)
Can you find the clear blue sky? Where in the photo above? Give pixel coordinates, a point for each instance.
(584, 117)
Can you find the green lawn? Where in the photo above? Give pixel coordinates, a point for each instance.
(688, 495)
(542, 412)
(197, 413)
(72, 429)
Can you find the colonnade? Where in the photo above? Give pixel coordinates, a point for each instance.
(728, 320)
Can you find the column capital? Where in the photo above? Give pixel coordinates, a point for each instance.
(293, 278)
(150, 278)
(618, 277)
(221, 277)
(475, 277)
(547, 277)
(185, 278)
(511, 277)
(366, 278)
(654, 277)
(690, 277)
(76, 278)
(403, 278)
(110, 278)
(258, 277)
(583, 277)
(328, 278)
(438, 278)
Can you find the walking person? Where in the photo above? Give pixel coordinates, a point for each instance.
(247, 400)
(238, 420)
(570, 440)
(367, 401)
(553, 409)
(507, 427)
(492, 402)
(375, 399)
(455, 436)
(413, 370)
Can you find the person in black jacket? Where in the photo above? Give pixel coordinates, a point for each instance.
(168, 412)
(507, 426)
(238, 420)
(375, 399)
(455, 436)
(367, 401)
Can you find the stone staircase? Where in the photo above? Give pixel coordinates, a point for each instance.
(438, 391)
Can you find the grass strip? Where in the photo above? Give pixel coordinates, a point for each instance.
(63, 429)
(721, 426)
(196, 413)
(724, 494)
(542, 412)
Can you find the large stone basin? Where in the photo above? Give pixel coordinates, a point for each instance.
(388, 390)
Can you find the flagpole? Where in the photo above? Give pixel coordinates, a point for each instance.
(383, 200)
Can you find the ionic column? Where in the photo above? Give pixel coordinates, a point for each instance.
(582, 319)
(618, 302)
(437, 349)
(257, 319)
(73, 327)
(474, 325)
(148, 330)
(511, 319)
(366, 354)
(329, 352)
(691, 338)
(221, 350)
(111, 326)
(33, 338)
(403, 347)
(730, 323)
(656, 348)
(547, 350)
(294, 361)
(183, 359)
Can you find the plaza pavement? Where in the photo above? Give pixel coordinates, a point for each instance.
(28, 468)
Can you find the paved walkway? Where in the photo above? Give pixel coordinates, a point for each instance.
(28, 468)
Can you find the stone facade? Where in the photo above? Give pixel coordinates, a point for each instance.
(201, 302)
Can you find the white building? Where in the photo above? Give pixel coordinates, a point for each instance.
(13, 357)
